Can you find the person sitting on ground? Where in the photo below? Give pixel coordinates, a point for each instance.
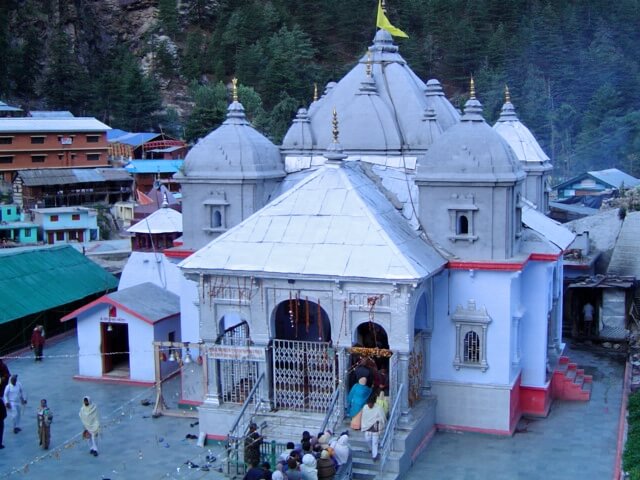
(325, 466)
(305, 447)
(324, 439)
(293, 471)
(316, 450)
(255, 471)
(267, 473)
(284, 456)
(341, 450)
(308, 467)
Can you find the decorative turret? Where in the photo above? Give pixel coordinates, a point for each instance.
(533, 160)
(470, 186)
(217, 171)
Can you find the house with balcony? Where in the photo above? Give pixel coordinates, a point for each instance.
(66, 224)
(49, 143)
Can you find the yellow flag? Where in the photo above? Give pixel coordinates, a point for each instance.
(383, 22)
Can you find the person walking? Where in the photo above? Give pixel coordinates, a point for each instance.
(45, 417)
(15, 399)
(373, 422)
(5, 374)
(356, 400)
(3, 415)
(91, 422)
(37, 342)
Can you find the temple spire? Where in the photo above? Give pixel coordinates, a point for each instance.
(507, 95)
(234, 89)
(369, 63)
(472, 89)
(335, 130)
(315, 92)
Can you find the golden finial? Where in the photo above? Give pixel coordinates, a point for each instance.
(369, 63)
(234, 90)
(507, 95)
(472, 89)
(315, 92)
(334, 121)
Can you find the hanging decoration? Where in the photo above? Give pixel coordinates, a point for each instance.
(320, 323)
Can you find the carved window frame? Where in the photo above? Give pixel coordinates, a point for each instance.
(217, 215)
(470, 322)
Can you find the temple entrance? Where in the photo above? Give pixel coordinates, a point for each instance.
(304, 362)
(371, 353)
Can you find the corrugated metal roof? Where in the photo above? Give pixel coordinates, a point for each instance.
(63, 176)
(7, 108)
(133, 139)
(625, 259)
(616, 178)
(334, 223)
(146, 301)
(545, 226)
(51, 114)
(56, 125)
(154, 166)
(37, 279)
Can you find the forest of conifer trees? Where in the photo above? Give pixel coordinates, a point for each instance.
(571, 66)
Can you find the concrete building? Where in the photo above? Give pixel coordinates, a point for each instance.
(66, 224)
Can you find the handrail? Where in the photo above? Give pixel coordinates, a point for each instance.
(234, 436)
(387, 439)
(331, 411)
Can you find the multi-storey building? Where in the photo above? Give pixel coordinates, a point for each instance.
(73, 142)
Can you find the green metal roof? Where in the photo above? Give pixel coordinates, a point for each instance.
(37, 279)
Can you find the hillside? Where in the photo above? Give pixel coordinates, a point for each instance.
(571, 66)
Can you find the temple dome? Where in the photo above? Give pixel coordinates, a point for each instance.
(235, 150)
(392, 106)
(518, 136)
(470, 151)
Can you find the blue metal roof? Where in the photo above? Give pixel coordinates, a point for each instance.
(615, 178)
(153, 166)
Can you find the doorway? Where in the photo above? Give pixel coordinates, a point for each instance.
(115, 349)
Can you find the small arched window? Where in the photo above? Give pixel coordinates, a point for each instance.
(463, 225)
(216, 219)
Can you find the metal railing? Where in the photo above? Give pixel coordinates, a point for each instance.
(389, 432)
(235, 438)
(335, 411)
(345, 471)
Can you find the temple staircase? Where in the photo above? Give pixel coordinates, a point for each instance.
(570, 382)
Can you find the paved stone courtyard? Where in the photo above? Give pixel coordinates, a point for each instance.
(576, 441)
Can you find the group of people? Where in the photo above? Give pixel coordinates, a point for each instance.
(313, 458)
(367, 404)
(14, 400)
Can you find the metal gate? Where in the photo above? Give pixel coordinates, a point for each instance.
(304, 375)
(237, 377)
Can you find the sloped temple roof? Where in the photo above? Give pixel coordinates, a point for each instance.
(335, 223)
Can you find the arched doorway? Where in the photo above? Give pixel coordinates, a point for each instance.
(371, 353)
(304, 362)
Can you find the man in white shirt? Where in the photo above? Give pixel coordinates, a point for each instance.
(373, 422)
(587, 317)
(14, 399)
